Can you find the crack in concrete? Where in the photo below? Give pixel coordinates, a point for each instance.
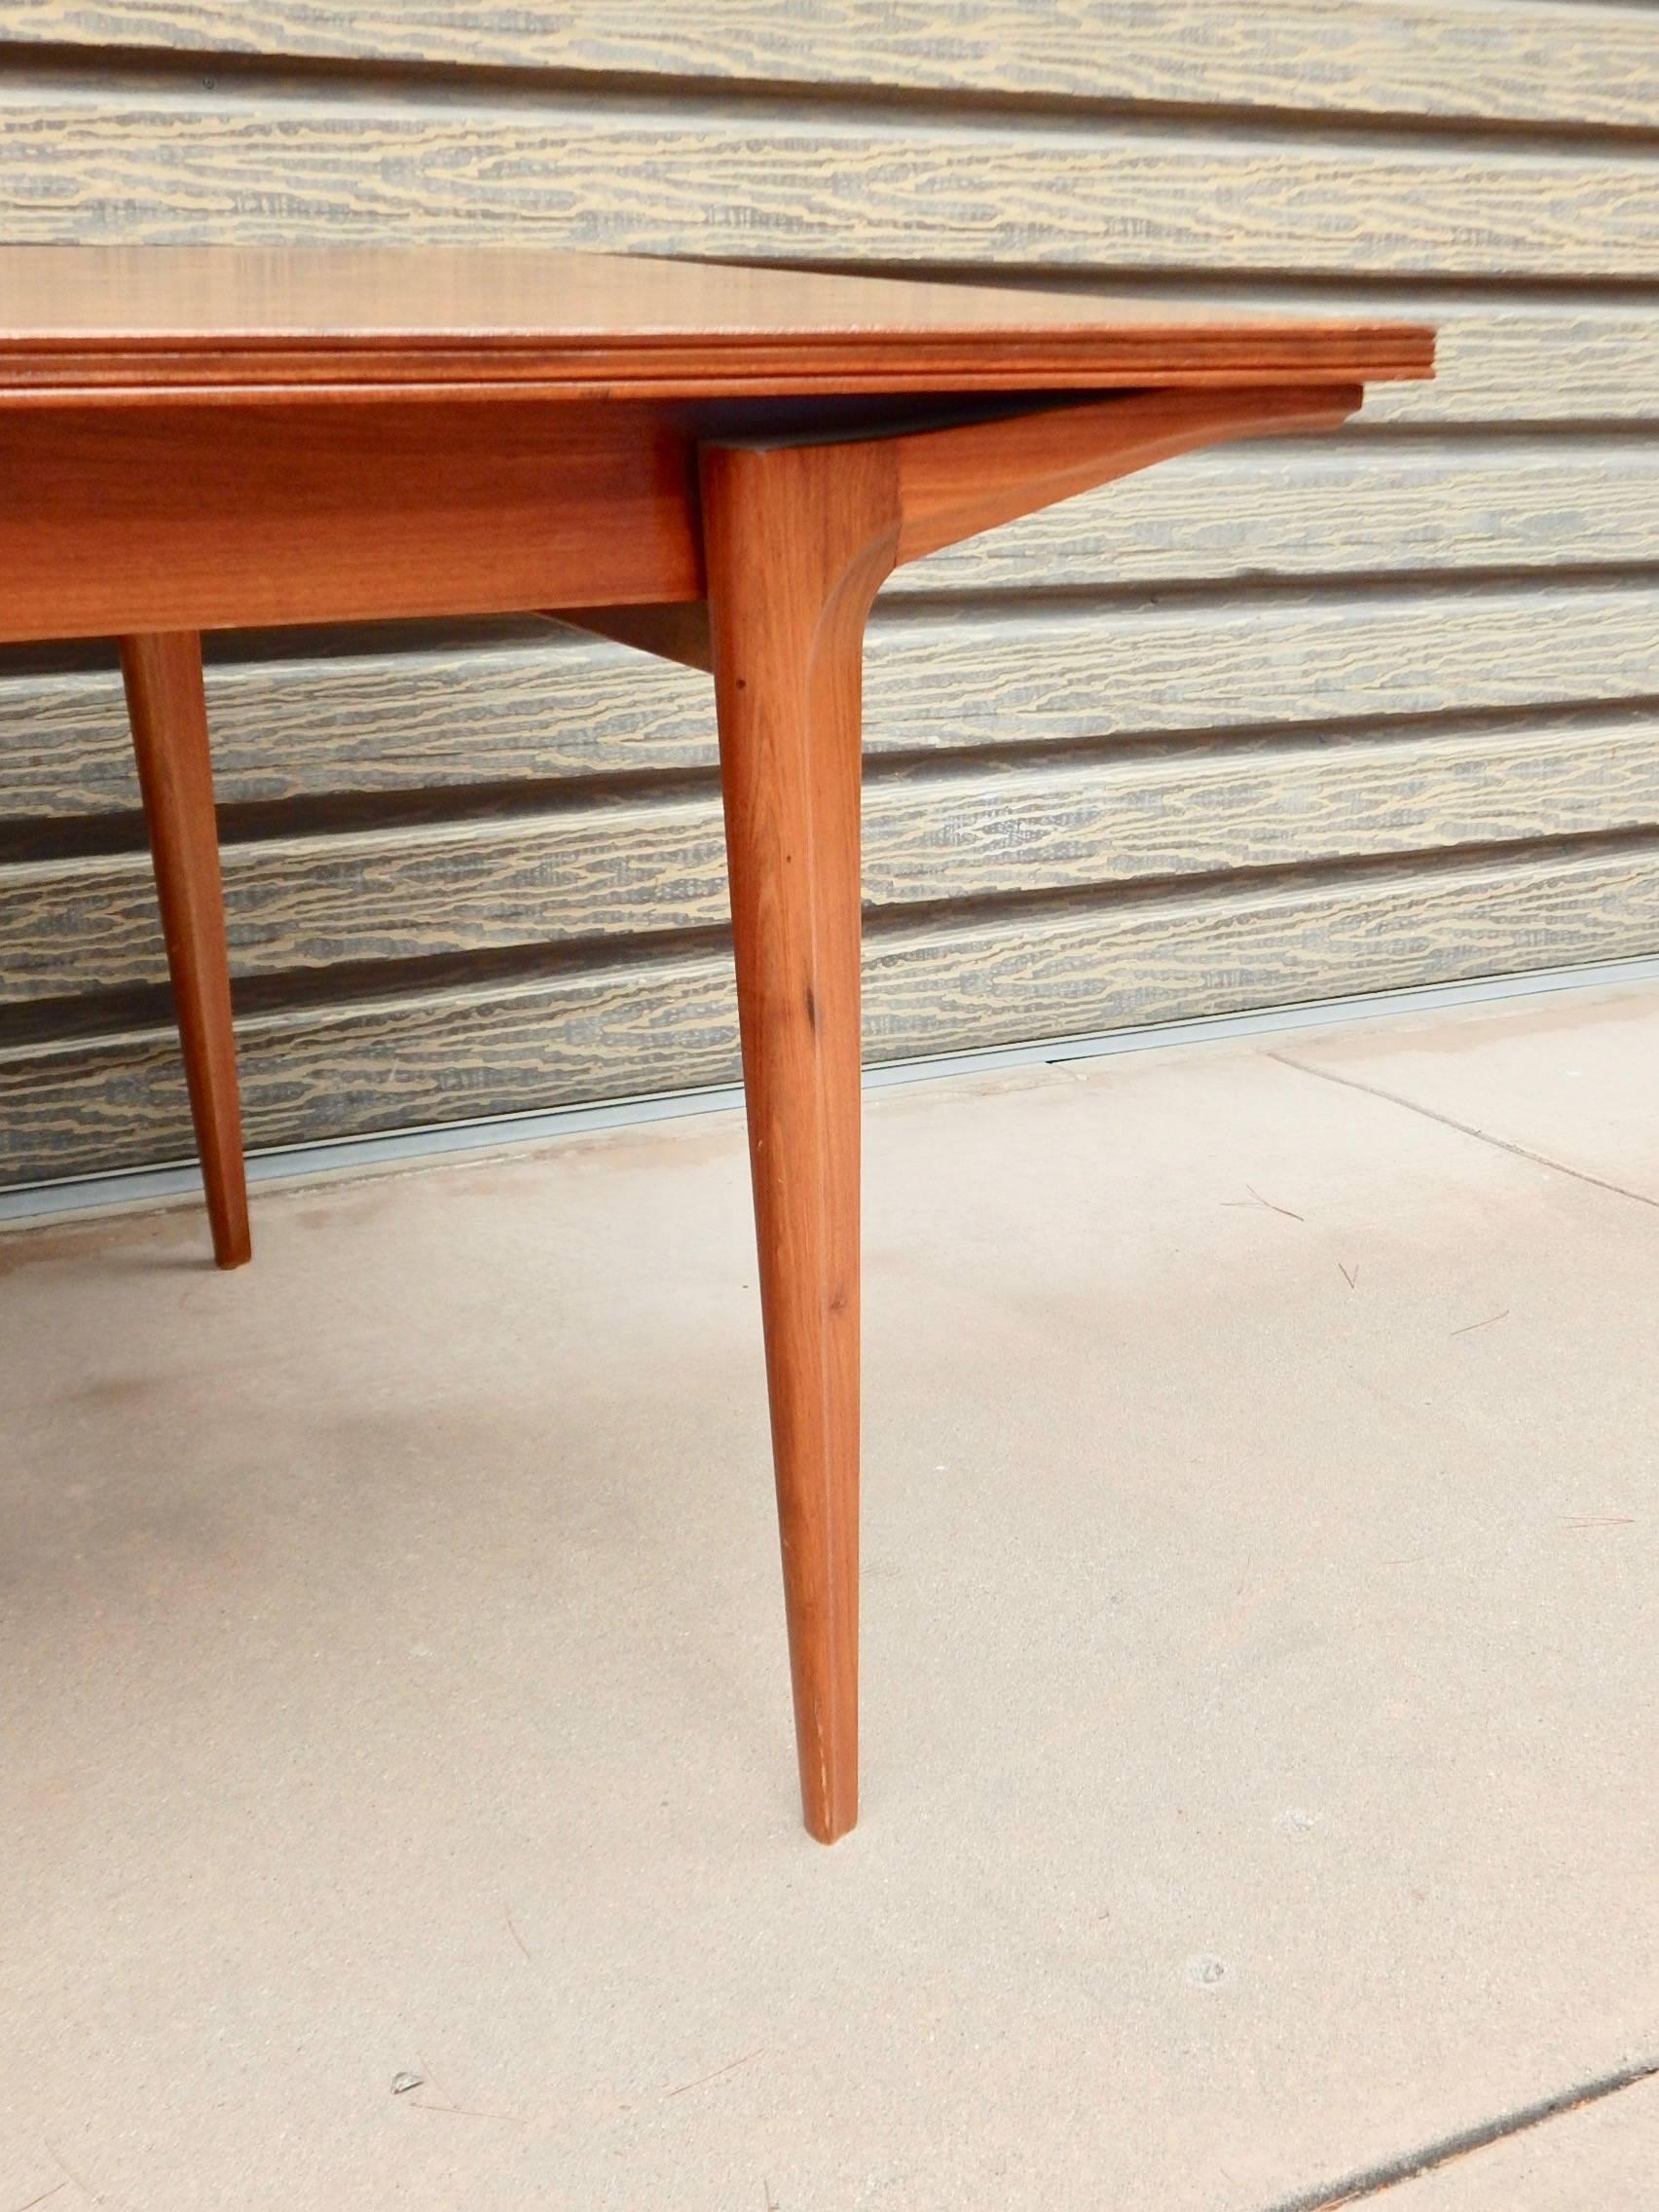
(1464, 1128)
(1414, 2164)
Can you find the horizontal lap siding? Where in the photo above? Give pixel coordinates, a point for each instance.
(622, 175)
(612, 1029)
(971, 835)
(1272, 724)
(1406, 57)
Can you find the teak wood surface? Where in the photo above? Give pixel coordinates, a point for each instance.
(720, 466)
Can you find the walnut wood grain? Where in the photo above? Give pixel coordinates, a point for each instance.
(955, 483)
(676, 631)
(374, 320)
(796, 541)
(181, 516)
(169, 737)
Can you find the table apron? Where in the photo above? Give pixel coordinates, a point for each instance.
(200, 517)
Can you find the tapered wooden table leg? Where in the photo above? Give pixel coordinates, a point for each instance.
(168, 714)
(796, 541)
(797, 537)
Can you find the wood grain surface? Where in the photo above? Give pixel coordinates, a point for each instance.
(958, 484)
(182, 513)
(1367, 58)
(162, 677)
(114, 320)
(797, 539)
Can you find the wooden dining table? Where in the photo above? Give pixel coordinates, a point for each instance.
(718, 465)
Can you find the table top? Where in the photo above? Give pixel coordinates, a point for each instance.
(82, 321)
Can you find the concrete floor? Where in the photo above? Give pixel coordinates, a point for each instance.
(1261, 1645)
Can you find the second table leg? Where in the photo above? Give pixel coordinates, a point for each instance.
(169, 713)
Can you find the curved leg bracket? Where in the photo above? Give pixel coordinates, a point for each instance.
(955, 483)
